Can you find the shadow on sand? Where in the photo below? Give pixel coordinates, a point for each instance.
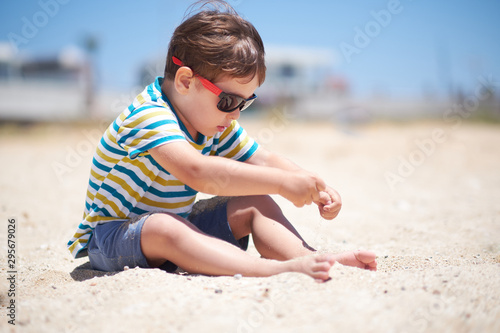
(85, 272)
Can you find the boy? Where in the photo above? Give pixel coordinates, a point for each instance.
(181, 136)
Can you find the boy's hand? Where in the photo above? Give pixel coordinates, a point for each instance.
(302, 188)
(329, 203)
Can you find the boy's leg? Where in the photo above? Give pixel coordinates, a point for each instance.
(169, 237)
(275, 237)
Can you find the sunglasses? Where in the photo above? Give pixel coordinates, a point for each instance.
(227, 102)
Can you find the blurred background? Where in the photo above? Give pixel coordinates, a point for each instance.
(348, 61)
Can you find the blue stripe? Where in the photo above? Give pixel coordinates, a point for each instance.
(156, 164)
(141, 109)
(112, 149)
(192, 191)
(230, 141)
(84, 226)
(170, 194)
(115, 194)
(249, 153)
(93, 185)
(157, 86)
(116, 127)
(152, 93)
(95, 208)
(100, 166)
(134, 131)
(139, 211)
(206, 150)
(134, 153)
(161, 123)
(201, 137)
(133, 176)
(104, 211)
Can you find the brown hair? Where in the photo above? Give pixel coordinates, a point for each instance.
(215, 43)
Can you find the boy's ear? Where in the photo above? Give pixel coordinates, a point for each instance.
(183, 80)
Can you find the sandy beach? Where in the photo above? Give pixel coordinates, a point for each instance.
(424, 196)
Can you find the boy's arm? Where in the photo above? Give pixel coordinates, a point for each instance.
(264, 157)
(329, 202)
(222, 176)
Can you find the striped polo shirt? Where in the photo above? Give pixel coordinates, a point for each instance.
(125, 181)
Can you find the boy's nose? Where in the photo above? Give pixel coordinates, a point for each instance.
(235, 115)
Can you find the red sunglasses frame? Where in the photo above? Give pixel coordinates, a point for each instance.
(217, 91)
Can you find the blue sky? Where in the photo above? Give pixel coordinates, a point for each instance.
(422, 45)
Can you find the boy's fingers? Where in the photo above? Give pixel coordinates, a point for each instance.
(320, 184)
(335, 196)
(324, 198)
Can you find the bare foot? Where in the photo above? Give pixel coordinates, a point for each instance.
(360, 259)
(316, 266)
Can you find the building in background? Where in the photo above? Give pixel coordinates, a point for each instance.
(57, 88)
(294, 74)
(303, 82)
(306, 82)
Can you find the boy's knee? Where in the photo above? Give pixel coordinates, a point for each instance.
(259, 205)
(265, 204)
(162, 225)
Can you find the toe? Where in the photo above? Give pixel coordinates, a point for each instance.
(321, 276)
(365, 257)
(372, 266)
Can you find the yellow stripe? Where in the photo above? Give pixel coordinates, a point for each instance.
(227, 131)
(79, 235)
(125, 186)
(99, 218)
(141, 166)
(167, 205)
(148, 135)
(90, 195)
(78, 241)
(141, 99)
(197, 146)
(123, 116)
(105, 157)
(170, 182)
(237, 148)
(72, 247)
(110, 136)
(111, 204)
(147, 116)
(97, 176)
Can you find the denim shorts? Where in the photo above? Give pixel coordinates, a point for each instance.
(114, 245)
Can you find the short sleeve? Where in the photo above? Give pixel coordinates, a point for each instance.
(236, 144)
(147, 127)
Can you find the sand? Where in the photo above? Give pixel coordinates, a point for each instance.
(424, 196)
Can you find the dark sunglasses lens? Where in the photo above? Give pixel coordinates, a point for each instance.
(246, 104)
(229, 103)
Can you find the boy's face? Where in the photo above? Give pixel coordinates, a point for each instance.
(203, 116)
